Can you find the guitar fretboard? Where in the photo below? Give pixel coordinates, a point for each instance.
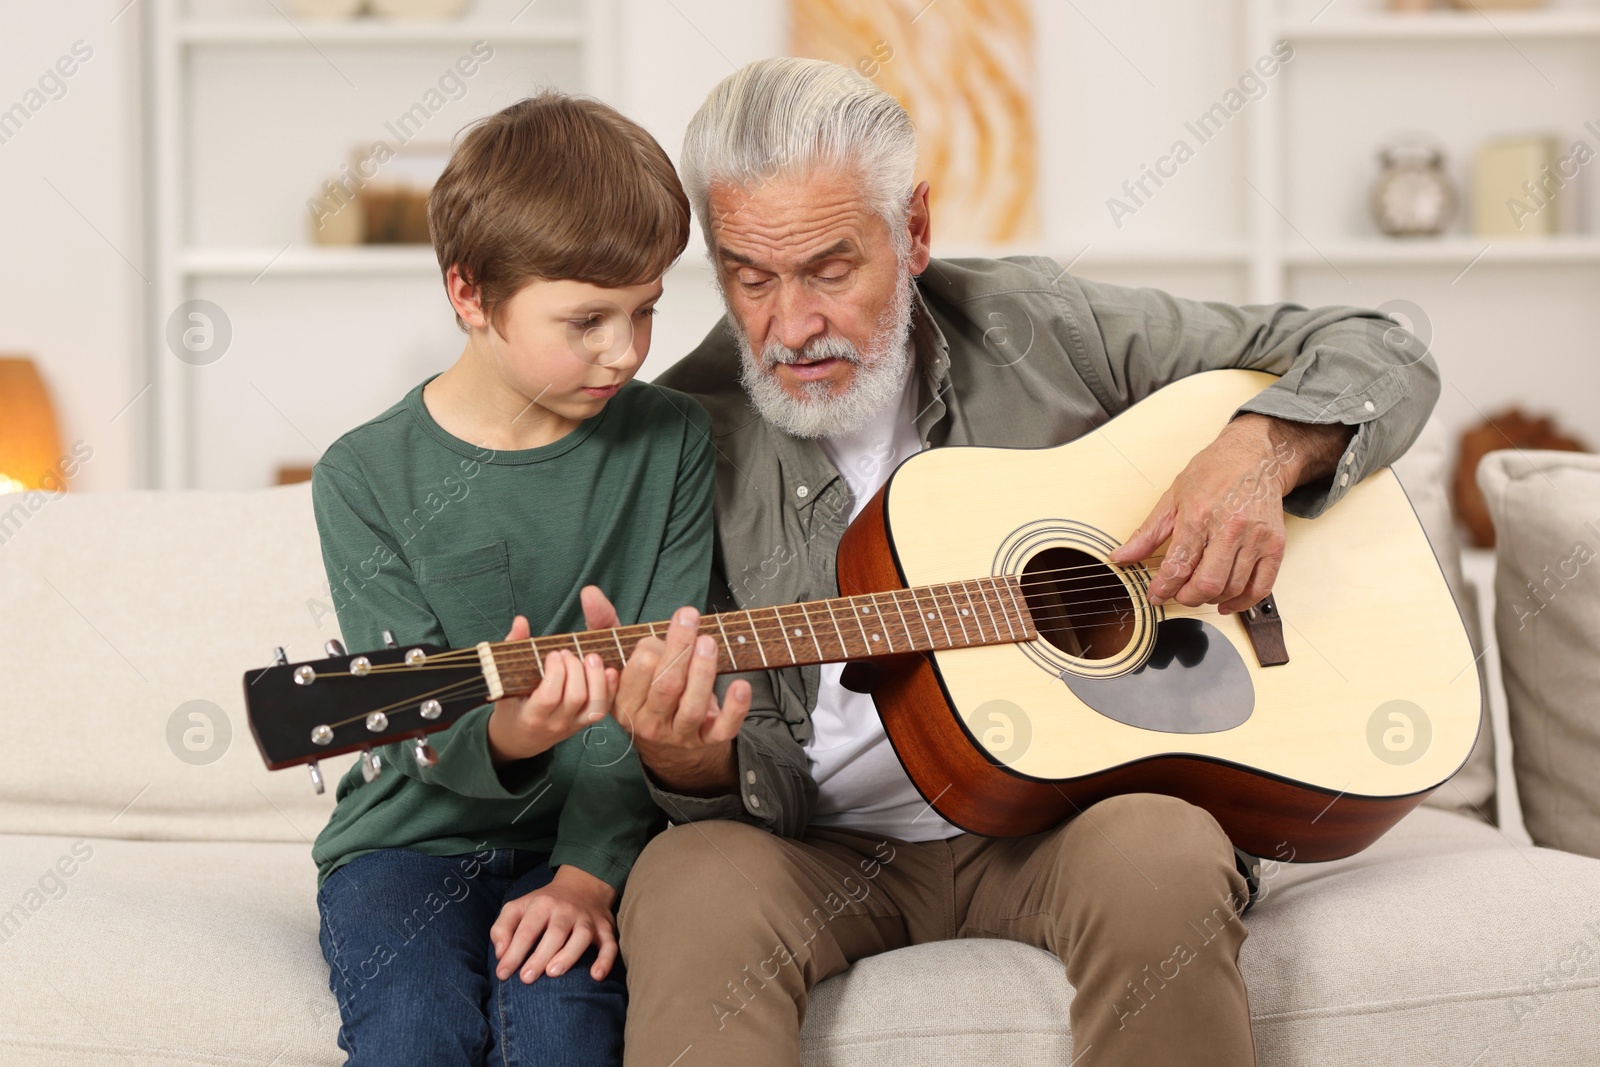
(982, 611)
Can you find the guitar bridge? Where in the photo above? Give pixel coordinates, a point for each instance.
(1265, 628)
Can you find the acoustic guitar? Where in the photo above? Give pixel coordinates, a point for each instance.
(1021, 677)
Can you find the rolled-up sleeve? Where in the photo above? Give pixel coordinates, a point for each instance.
(1348, 365)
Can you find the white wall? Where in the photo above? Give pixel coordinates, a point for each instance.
(1115, 83)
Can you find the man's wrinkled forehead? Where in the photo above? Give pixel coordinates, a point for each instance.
(792, 222)
(844, 247)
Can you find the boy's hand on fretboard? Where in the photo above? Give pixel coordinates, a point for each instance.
(571, 696)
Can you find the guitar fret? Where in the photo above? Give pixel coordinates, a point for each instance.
(972, 609)
(939, 613)
(964, 635)
(916, 607)
(844, 649)
(894, 596)
(755, 635)
(877, 609)
(1011, 630)
(821, 656)
(866, 643)
(616, 635)
(1022, 616)
(783, 629)
(723, 630)
(990, 609)
(1005, 584)
(748, 619)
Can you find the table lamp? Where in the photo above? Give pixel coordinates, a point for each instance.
(30, 446)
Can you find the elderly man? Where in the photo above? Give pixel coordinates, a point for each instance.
(801, 845)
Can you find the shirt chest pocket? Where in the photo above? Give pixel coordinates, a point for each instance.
(470, 592)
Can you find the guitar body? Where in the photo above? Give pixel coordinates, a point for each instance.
(1309, 759)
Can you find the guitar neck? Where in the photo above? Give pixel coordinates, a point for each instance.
(982, 611)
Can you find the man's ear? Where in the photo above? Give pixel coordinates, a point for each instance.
(920, 221)
(464, 297)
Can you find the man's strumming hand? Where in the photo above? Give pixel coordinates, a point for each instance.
(1224, 511)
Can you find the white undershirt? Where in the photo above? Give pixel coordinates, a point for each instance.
(861, 784)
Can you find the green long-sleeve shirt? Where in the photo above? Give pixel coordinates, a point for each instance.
(444, 542)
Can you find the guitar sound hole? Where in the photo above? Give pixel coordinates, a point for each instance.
(1077, 603)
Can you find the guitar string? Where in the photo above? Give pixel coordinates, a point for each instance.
(770, 629)
(465, 686)
(468, 685)
(456, 657)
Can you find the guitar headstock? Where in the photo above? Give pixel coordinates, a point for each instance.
(304, 712)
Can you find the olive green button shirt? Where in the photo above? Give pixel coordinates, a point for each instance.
(1013, 353)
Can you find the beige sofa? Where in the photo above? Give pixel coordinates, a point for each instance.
(157, 895)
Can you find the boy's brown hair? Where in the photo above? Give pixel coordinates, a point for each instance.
(556, 187)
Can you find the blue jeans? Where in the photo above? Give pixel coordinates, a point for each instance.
(406, 937)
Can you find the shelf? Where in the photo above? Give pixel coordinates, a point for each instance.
(1184, 254)
(1449, 26)
(301, 260)
(376, 31)
(1457, 251)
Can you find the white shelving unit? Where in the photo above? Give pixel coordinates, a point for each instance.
(1269, 256)
(372, 31)
(174, 39)
(1450, 25)
(1274, 252)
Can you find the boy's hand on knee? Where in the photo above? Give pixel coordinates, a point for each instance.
(572, 695)
(565, 918)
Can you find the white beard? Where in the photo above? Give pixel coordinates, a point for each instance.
(879, 376)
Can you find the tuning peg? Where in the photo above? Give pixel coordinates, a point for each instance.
(334, 647)
(316, 776)
(426, 756)
(371, 764)
(279, 657)
(389, 641)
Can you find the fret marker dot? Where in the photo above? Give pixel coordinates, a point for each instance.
(797, 631)
(963, 611)
(930, 614)
(874, 637)
(741, 639)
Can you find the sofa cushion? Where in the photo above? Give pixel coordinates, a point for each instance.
(148, 608)
(164, 954)
(1439, 942)
(1424, 473)
(1546, 512)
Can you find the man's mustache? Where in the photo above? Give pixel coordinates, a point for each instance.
(817, 348)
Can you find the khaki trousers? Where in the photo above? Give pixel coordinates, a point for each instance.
(725, 929)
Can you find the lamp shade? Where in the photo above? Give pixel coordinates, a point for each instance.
(30, 445)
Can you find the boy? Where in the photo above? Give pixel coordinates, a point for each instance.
(467, 905)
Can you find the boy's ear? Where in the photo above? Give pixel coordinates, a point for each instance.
(464, 298)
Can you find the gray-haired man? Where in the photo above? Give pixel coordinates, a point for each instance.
(802, 845)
